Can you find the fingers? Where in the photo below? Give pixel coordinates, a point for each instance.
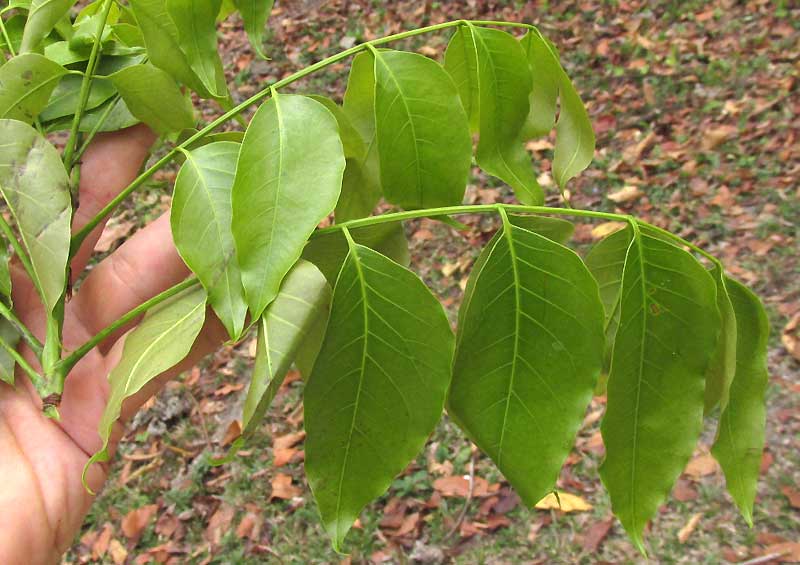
(109, 165)
(142, 267)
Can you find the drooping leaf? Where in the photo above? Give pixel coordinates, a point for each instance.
(423, 136)
(377, 388)
(26, 83)
(740, 435)
(328, 251)
(154, 97)
(667, 332)
(201, 228)
(530, 348)
(10, 336)
(544, 95)
(722, 370)
(255, 14)
(35, 187)
(42, 18)
(361, 185)
(288, 179)
(163, 43)
(196, 22)
(606, 261)
(66, 96)
(304, 297)
(461, 61)
(162, 340)
(557, 229)
(503, 81)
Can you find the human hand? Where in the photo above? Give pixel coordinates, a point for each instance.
(41, 496)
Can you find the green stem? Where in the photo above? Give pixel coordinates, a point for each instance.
(7, 39)
(30, 339)
(35, 377)
(20, 252)
(78, 238)
(86, 86)
(66, 365)
(97, 127)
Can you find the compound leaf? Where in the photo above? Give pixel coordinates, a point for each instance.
(423, 136)
(201, 228)
(255, 14)
(740, 435)
(530, 348)
(288, 179)
(36, 190)
(26, 83)
(377, 388)
(667, 332)
(162, 340)
(42, 18)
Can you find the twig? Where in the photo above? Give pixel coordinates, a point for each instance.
(765, 558)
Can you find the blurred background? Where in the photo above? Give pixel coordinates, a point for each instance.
(696, 109)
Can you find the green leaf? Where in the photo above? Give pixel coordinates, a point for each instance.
(606, 261)
(530, 348)
(163, 44)
(26, 83)
(503, 79)
(66, 96)
(42, 18)
(291, 145)
(201, 228)
(61, 53)
(740, 435)
(255, 14)
(544, 94)
(667, 332)
(361, 186)
(154, 97)
(378, 386)
(196, 22)
(161, 341)
(36, 190)
(460, 60)
(10, 336)
(5, 271)
(423, 136)
(119, 117)
(329, 251)
(15, 26)
(723, 366)
(352, 142)
(304, 297)
(557, 229)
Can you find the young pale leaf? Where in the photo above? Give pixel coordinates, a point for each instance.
(328, 251)
(544, 95)
(304, 298)
(196, 22)
(667, 332)
(530, 348)
(504, 81)
(154, 97)
(26, 83)
(36, 190)
(740, 435)
(163, 43)
(606, 261)
(201, 228)
(42, 18)
(460, 60)
(723, 366)
(361, 186)
(255, 14)
(378, 386)
(288, 179)
(161, 341)
(423, 136)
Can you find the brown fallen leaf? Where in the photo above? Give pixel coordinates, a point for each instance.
(228, 388)
(791, 336)
(283, 488)
(289, 440)
(701, 466)
(690, 526)
(135, 521)
(683, 491)
(118, 552)
(281, 457)
(233, 432)
(250, 526)
(787, 552)
(606, 228)
(596, 533)
(458, 487)
(219, 524)
(102, 542)
(568, 503)
(496, 521)
(113, 232)
(626, 194)
(716, 136)
(793, 495)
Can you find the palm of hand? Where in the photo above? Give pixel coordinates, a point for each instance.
(42, 459)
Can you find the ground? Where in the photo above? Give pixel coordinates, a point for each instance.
(695, 105)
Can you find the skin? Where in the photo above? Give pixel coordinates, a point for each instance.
(41, 494)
